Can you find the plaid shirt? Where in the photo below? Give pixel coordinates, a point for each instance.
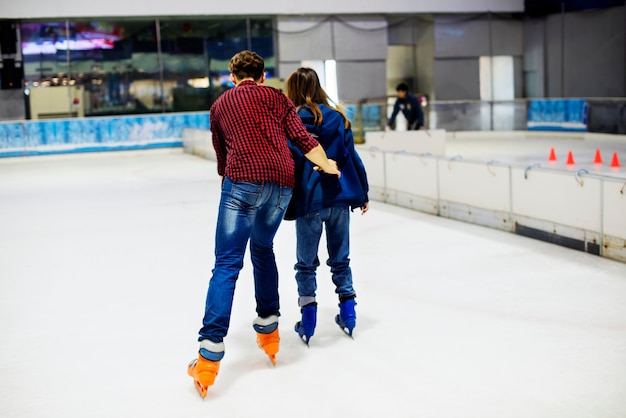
(250, 125)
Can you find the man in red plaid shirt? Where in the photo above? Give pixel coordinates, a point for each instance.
(251, 125)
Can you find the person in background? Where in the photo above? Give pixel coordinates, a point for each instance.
(411, 109)
(322, 201)
(250, 127)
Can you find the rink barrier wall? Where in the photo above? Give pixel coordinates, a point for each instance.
(198, 142)
(576, 209)
(72, 135)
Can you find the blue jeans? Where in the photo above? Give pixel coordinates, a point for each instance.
(308, 233)
(247, 212)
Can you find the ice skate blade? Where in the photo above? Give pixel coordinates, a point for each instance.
(207, 377)
(202, 391)
(305, 338)
(347, 331)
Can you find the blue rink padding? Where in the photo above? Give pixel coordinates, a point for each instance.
(557, 115)
(60, 136)
(370, 115)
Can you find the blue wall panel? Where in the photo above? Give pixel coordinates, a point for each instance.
(557, 115)
(97, 134)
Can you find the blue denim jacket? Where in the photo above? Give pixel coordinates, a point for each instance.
(316, 190)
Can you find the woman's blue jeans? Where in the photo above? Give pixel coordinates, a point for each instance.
(308, 232)
(247, 212)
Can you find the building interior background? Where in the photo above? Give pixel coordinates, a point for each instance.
(125, 66)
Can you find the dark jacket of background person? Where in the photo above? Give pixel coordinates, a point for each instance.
(411, 109)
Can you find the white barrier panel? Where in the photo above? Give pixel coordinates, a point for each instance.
(416, 142)
(478, 184)
(412, 181)
(575, 209)
(475, 192)
(614, 219)
(614, 204)
(564, 198)
(374, 162)
(199, 142)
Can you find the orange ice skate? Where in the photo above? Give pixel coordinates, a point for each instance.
(267, 336)
(204, 370)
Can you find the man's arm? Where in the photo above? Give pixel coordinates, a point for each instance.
(318, 157)
(396, 109)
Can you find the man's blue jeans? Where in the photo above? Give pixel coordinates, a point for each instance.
(308, 232)
(247, 212)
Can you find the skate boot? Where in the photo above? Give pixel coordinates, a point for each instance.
(204, 369)
(306, 327)
(267, 336)
(347, 317)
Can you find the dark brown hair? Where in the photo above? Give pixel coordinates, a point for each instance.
(304, 89)
(247, 64)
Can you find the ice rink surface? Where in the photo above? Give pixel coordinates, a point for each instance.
(104, 264)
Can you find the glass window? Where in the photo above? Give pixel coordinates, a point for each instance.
(118, 66)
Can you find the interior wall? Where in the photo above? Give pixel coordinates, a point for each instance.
(457, 79)
(588, 61)
(401, 61)
(554, 56)
(534, 58)
(410, 55)
(33, 9)
(461, 41)
(358, 45)
(578, 54)
(599, 57)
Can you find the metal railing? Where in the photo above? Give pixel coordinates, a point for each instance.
(603, 115)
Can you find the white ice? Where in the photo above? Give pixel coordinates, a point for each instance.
(104, 265)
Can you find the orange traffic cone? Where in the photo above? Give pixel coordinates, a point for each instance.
(598, 158)
(552, 156)
(615, 160)
(570, 158)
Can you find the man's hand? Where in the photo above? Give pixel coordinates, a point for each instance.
(318, 157)
(330, 168)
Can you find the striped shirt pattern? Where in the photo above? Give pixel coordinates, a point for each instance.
(251, 125)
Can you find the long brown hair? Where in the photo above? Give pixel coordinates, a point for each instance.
(304, 89)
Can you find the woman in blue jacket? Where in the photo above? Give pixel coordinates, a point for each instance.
(320, 200)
